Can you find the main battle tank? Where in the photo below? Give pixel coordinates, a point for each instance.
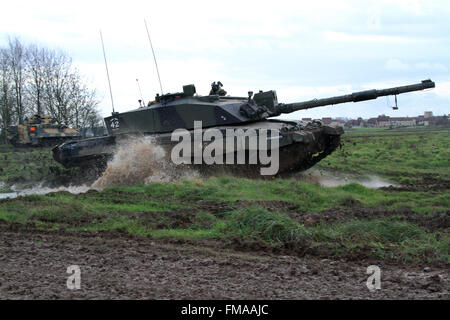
(40, 131)
(300, 144)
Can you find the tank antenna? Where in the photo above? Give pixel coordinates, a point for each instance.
(139, 87)
(154, 58)
(107, 73)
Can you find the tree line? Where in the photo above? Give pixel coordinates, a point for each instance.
(39, 80)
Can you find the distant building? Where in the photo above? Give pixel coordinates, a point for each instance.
(420, 121)
(383, 121)
(427, 119)
(402, 121)
(358, 123)
(372, 122)
(337, 122)
(326, 121)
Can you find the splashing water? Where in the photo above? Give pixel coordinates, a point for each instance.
(140, 161)
(40, 189)
(334, 179)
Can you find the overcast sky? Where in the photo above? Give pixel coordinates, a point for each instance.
(302, 49)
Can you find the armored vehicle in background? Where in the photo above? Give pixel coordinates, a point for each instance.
(40, 131)
(301, 144)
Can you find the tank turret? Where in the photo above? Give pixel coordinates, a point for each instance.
(179, 110)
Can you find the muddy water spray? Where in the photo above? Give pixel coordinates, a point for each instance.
(140, 161)
(333, 179)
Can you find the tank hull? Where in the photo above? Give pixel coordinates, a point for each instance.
(300, 146)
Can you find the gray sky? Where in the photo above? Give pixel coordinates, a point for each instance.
(302, 49)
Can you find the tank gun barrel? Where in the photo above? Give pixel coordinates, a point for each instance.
(354, 97)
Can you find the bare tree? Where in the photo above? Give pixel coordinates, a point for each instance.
(37, 80)
(16, 60)
(83, 105)
(58, 86)
(36, 59)
(6, 101)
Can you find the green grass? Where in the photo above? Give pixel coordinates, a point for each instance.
(405, 157)
(257, 223)
(396, 240)
(28, 167)
(149, 210)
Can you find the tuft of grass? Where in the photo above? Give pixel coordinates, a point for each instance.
(381, 231)
(204, 220)
(259, 223)
(396, 240)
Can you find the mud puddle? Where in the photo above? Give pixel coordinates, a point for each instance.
(8, 195)
(39, 189)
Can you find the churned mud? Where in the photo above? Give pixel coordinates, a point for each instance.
(115, 265)
(425, 182)
(432, 221)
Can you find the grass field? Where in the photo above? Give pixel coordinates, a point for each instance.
(29, 167)
(281, 215)
(408, 157)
